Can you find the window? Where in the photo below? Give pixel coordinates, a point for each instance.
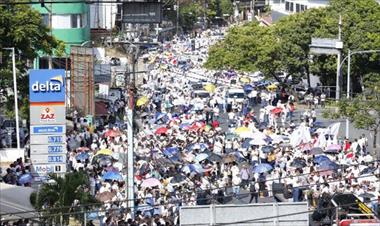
(76, 21)
(61, 21)
(302, 8)
(57, 63)
(287, 6)
(291, 7)
(297, 8)
(69, 21)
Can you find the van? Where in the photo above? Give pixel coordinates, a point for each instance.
(237, 94)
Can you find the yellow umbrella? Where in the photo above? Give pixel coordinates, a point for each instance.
(209, 88)
(143, 100)
(242, 130)
(245, 80)
(104, 152)
(272, 86)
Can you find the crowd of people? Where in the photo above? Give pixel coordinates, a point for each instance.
(194, 149)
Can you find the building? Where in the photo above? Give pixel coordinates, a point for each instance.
(103, 15)
(281, 8)
(70, 23)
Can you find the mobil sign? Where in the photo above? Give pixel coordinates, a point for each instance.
(43, 169)
(47, 86)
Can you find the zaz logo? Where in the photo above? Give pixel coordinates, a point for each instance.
(47, 114)
(52, 85)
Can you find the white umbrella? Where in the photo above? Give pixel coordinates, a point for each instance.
(276, 139)
(257, 141)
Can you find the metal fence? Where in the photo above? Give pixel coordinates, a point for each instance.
(265, 214)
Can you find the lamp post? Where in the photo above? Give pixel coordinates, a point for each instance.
(15, 94)
(348, 57)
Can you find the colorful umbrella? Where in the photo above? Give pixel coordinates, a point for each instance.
(142, 101)
(104, 152)
(276, 110)
(112, 133)
(272, 87)
(242, 129)
(262, 168)
(150, 182)
(82, 156)
(320, 158)
(245, 79)
(112, 175)
(267, 149)
(209, 88)
(248, 88)
(25, 178)
(316, 151)
(298, 163)
(328, 165)
(162, 130)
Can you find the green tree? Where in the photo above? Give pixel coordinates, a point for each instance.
(364, 109)
(21, 27)
(57, 196)
(189, 13)
(285, 46)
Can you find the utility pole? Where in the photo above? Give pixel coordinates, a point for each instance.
(177, 20)
(348, 92)
(337, 91)
(133, 50)
(15, 95)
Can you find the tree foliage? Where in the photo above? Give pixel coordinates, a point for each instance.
(21, 27)
(364, 109)
(54, 197)
(285, 45)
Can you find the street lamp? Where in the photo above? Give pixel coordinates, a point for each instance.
(15, 94)
(348, 57)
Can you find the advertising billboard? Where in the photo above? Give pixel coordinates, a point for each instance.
(47, 97)
(142, 12)
(47, 86)
(47, 114)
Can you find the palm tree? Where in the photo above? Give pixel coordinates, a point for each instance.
(62, 195)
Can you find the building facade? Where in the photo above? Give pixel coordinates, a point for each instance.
(70, 23)
(282, 8)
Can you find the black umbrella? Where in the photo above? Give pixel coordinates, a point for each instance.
(178, 178)
(316, 151)
(298, 163)
(367, 195)
(214, 157)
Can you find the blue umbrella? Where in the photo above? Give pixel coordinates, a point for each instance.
(201, 157)
(262, 168)
(328, 165)
(25, 178)
(171, 151)
(112, 176)
(193, 168)
(320, 158)
(267, 149)
(82, 156)
(246, 143)
(248, 88)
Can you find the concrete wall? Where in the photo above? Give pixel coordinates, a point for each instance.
(242, 215)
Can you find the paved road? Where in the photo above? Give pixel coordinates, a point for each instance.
(15, 199)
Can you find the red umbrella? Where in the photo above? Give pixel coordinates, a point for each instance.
(350, 155)
(112, 133)
(197, 125)
(83, 149)
(276, 110)
(161, 130)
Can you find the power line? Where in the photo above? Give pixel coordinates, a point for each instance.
(171, 202)
(68, 2)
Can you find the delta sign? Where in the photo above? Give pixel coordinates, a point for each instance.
(47, 86)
